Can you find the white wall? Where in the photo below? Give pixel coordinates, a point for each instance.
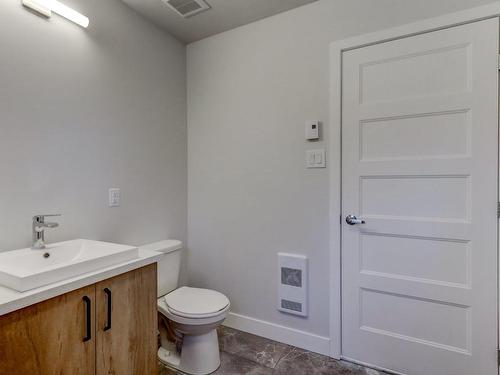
(249, 196)
(83, 110)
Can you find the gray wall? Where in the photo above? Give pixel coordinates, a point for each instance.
(83, 110)
(249, 92)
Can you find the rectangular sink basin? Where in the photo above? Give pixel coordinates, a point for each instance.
(27, 269)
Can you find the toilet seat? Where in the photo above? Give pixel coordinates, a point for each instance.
(194, 305)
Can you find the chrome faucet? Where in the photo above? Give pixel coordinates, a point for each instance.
(39, 226)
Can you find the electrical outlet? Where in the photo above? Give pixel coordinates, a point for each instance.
(114, 197)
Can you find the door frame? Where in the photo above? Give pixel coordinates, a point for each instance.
(335, 140)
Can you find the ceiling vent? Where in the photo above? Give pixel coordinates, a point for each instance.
(187, 8)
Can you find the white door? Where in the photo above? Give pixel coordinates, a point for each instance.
(419, 162)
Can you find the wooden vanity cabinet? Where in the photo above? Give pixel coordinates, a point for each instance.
(106, 328)
(46, 338)
(126, 342)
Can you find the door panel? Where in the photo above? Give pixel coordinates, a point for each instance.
(419, 162)
(47, 338)
(127, 343)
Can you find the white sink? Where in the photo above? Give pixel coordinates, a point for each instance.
(27, 269)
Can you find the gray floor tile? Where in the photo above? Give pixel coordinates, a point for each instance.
(234, 365)
(298, 362)
(246, 354)
(254, 348)
(230, 365)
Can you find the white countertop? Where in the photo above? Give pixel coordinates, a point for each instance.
(11, 300)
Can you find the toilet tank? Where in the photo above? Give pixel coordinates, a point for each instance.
(169, 265)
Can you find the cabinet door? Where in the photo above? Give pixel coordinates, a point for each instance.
(127, 323)
(50, 338)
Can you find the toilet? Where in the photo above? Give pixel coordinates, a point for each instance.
(188, 317)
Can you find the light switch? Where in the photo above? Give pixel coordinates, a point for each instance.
(311, 159)
(114, 197)
(315, 159)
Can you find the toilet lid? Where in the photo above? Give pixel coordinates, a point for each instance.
(195, 302)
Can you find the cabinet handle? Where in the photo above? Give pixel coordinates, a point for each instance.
(88, 317)
(108, 320)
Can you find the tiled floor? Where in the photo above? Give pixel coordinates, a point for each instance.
(246, 354)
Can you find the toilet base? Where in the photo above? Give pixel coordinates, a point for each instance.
(199, 355)
(169, 358)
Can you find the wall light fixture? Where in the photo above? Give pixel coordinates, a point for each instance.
(46, 7)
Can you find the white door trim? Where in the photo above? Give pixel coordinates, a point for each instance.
(336, 50)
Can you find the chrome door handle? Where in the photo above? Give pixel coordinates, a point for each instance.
(353, 220)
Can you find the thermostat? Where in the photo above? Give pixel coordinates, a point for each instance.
(312, 130)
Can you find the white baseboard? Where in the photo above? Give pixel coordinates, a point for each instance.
(286, 335)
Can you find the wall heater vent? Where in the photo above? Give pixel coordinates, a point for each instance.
(187, 8)
(291, 305)
(292, 289)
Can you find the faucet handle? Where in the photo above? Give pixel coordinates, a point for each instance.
(41, 218)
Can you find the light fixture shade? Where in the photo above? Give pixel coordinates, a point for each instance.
(59, 8)
(67, 12)
(37, 7)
